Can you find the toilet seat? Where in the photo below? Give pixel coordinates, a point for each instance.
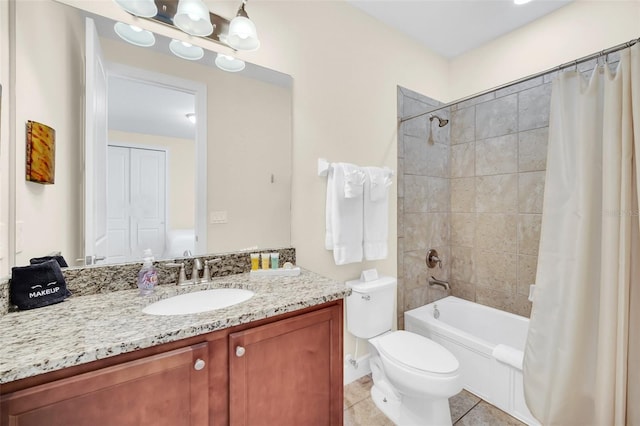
(418, 353)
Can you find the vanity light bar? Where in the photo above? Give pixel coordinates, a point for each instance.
(167, 10)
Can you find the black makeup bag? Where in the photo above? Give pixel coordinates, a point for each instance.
(58, 258)
(37, 285)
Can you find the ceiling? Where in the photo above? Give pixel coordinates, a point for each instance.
(453, 27)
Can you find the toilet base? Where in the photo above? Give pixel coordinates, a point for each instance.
(410, 411)
(386, 402)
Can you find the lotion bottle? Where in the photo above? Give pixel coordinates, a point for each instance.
(148, 276)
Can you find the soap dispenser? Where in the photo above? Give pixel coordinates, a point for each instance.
(148, 276)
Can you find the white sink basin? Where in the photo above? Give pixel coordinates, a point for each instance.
(199, 301)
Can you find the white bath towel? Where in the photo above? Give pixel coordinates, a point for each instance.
(376, 212)
(344, 213)
(508, 355)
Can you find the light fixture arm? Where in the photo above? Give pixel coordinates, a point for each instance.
(242, 11)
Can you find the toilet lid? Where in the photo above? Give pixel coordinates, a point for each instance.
(418, 352)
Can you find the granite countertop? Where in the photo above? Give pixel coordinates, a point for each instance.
(87, 328)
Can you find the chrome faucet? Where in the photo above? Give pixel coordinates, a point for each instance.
(433, 281)
(195, 272)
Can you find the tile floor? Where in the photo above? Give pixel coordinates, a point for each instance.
(466, 409)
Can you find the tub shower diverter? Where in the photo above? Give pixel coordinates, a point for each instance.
(199, 301)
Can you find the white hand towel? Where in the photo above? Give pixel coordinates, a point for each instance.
(354, 178)
(380, 181)
(344, 215)
(376, 212)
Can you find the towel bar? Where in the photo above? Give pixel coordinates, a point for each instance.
(324, 165)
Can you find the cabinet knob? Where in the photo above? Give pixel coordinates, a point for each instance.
(199, 364)
(239, 351)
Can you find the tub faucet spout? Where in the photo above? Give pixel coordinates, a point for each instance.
(433, 281)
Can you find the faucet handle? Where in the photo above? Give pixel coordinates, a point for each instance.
(182, 277)
(432, 259)
(206, 275)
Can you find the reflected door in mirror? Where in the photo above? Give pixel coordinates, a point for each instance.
(136, 202)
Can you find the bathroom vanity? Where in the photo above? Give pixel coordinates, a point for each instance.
(274, 359)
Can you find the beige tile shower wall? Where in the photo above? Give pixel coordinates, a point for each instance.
(424, 194)
(498, 158)
(490, 162)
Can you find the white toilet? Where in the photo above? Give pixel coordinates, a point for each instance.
(413, 376)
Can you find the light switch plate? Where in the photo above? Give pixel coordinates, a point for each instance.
(219, 216)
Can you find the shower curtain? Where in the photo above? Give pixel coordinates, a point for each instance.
(582, 357)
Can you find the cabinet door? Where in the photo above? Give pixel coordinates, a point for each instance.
(165, 389)
(288, 372)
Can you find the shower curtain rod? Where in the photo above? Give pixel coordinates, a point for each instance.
(529, 77)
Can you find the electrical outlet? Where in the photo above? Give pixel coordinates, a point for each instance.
(219, 216)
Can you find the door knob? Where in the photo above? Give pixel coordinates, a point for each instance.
(199, 364)
(239, 351)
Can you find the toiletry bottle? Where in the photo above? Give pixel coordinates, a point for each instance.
(275, 257)
(148, 276)
(255, 261)
(265, 260)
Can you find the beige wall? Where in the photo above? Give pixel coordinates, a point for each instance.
(346, 68)
(50, 38)
(578, 29)
(180, 155)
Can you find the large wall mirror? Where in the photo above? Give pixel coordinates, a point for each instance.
(152, 150)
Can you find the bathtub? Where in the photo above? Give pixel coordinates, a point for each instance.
(489, 345)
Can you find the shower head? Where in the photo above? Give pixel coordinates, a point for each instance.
(441, 121)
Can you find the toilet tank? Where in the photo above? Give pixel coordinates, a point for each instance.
(370, 306)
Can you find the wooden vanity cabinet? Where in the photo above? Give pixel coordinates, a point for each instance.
(290, 373)
(163, 389)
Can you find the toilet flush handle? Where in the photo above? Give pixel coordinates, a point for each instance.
(366, 296)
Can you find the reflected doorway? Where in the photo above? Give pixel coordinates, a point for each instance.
(137, 202)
